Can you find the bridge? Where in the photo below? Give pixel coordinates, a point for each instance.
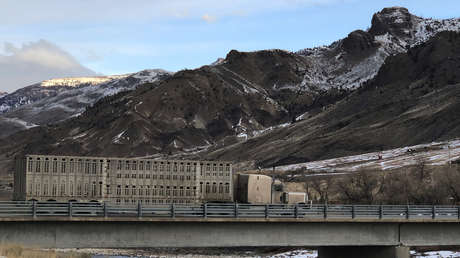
(336, 230)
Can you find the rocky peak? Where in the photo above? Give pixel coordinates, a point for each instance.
(394, 20)
(358, 41)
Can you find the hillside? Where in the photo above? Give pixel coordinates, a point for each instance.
(388, 87)
(56, 100)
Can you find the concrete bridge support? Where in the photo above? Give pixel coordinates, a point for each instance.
(364, 252)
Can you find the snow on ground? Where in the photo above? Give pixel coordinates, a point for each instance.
(297, 254)
(268, 129)
(313, 254)
(435, 254)
(435, 153)
(118, 137)
(78, 81)
(20, 122)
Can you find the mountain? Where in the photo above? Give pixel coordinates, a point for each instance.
(394, 85)
(414, 99)
(55, 100)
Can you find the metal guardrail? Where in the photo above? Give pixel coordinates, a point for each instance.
(228, 210)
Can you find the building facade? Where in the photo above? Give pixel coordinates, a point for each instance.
(121, 180)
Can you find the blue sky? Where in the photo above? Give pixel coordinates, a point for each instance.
(115, 36)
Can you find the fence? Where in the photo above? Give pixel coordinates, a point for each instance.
(228, 210)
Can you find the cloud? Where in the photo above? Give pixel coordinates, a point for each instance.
(208, 18)
(34, 62)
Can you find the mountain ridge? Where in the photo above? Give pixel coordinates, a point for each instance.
(275, 107)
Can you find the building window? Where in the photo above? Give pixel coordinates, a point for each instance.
(71, 188)
(30, 165)
(37, 189)
(214, 187)
(37, 167)
(208, 188)
(127, 165)
(227, 188)
(126, 190)
(134, 166)
(55, 165)
(47, 166)
(62, 188)
(221, 188)
(133, 192)
(45, 189)
(134, 176)
(119, 190)
(63, 163)
(141, 165)
(72, 164)
(148, 165)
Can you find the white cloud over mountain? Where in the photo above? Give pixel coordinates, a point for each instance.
(34, 62)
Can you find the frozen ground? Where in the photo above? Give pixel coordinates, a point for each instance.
(300, 253)
(435, 153)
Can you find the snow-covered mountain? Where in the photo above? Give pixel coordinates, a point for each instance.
(58, 99)
(349, 62)
(81, 81)
(272, 107)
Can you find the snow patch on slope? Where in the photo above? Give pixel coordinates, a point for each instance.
(435, 154)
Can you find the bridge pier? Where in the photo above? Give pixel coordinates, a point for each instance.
(363, 252)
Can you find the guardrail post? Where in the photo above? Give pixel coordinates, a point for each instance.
(381, 212)
(353, 213)
(296, 211)
(205, 210)
(70, 209)
(236, 210)
(266, 210)
(173, 211)
(433, 212)
(139, 209)
(34, 209)
(325, 211)
(106, 213)
(407, 211)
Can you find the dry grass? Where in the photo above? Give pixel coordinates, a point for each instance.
(17, 251)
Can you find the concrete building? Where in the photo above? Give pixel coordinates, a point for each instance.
(262, 189)
(121, 180)
(252, 188)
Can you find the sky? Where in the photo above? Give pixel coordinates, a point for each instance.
(46, 39)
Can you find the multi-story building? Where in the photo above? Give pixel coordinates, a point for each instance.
(121, 180)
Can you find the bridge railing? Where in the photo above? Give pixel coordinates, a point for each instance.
(228, 210)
